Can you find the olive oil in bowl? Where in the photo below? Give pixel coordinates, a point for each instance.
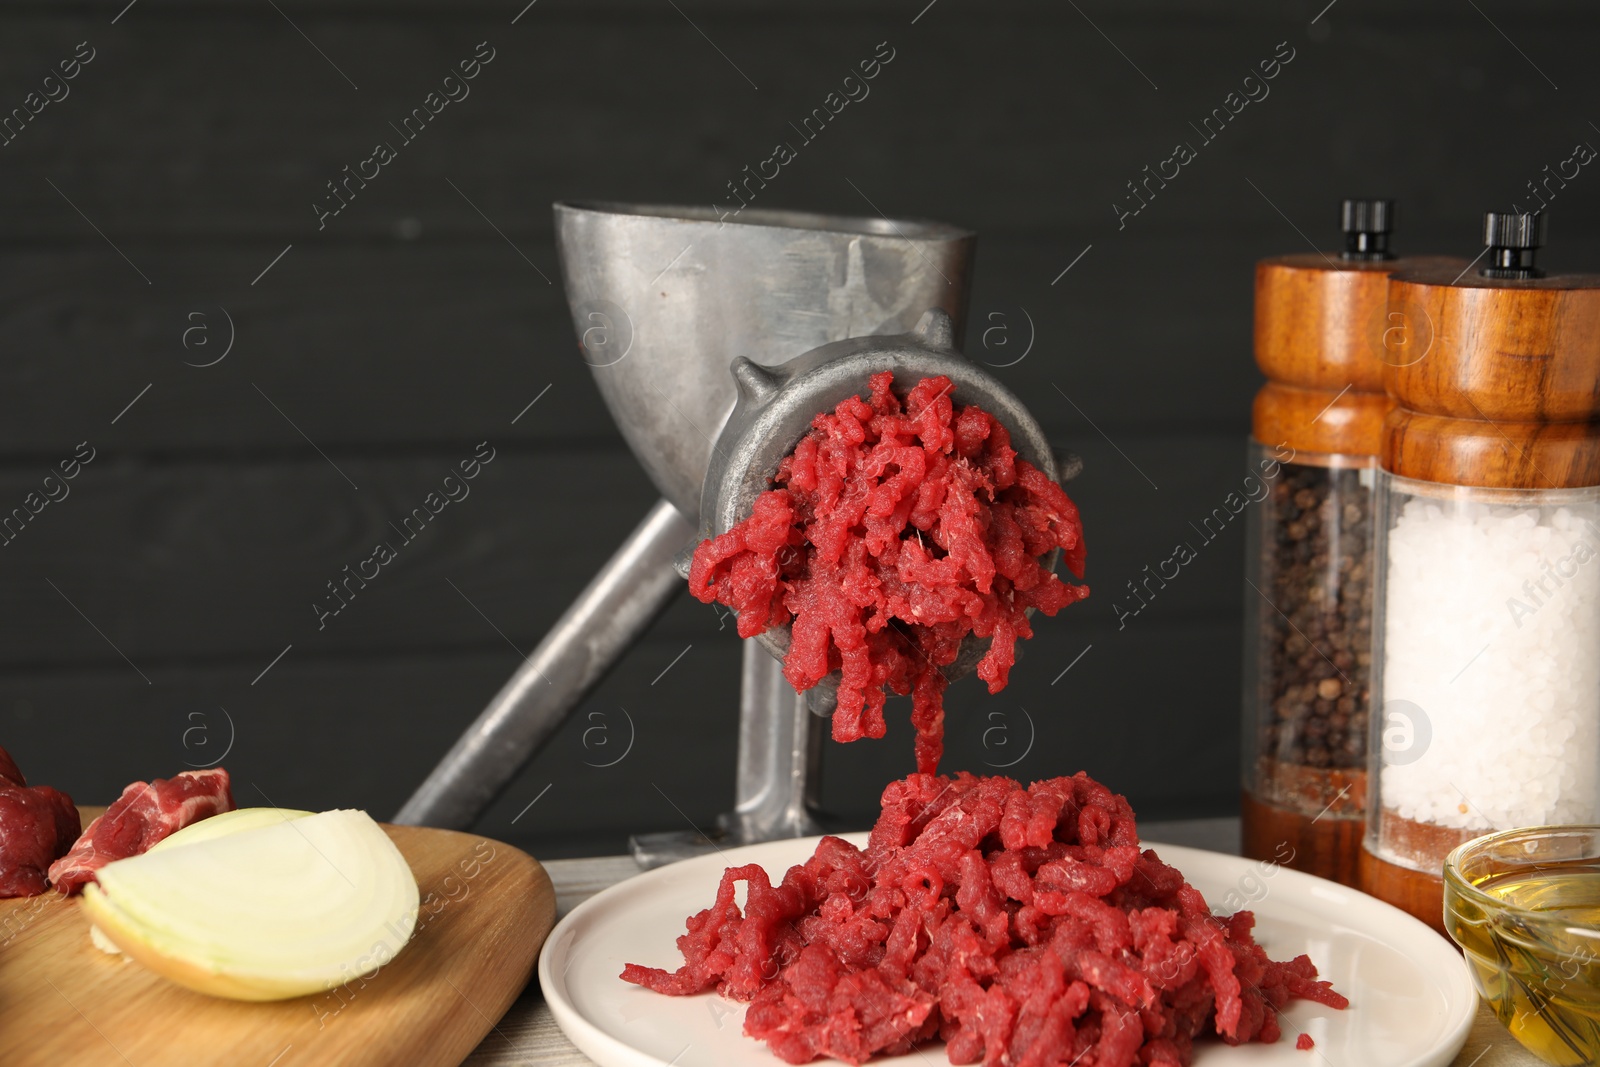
(1525, 908)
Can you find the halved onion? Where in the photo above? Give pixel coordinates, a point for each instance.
(294, 907)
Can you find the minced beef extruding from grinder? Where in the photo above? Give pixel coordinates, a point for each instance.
(1023, 927)
(894, 530)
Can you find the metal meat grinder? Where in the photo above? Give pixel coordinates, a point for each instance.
(714, 343)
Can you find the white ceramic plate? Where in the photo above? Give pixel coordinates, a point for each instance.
(1411, 998)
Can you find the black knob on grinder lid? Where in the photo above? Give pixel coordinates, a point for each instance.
(1366, 225)
(1514, 240)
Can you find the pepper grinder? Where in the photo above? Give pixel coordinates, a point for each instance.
(1317, 428)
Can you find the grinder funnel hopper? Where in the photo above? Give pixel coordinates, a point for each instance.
(663, 300)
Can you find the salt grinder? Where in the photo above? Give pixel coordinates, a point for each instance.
(1487, 651)
(1317, 428)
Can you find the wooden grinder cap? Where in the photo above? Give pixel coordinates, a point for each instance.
(1320, 319)
(1497, 379)
(1319, 327)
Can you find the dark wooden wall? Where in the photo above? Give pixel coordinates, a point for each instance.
(141, 610)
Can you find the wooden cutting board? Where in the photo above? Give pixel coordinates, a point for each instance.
(486, 910)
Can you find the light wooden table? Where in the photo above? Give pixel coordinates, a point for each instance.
(528, 1036)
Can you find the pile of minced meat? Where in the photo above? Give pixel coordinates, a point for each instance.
(1023, 927)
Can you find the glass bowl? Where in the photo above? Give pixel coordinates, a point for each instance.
(1524, 905)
